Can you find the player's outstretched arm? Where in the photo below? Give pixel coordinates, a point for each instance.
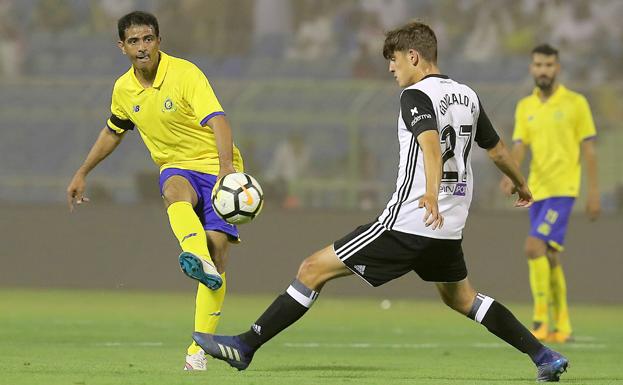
(518, 153)
(224, 144)
(429, 142)
(589, 155)
(504, 161)
(105, 144)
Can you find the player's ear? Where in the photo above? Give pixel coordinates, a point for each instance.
(121, 47)
(413, 56)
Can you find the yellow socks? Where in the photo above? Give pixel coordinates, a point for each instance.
(192, 238)
(540, 284)
(188, 229)
(559, 301)
(207, 311)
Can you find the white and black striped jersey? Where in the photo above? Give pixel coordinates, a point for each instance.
(453, 109)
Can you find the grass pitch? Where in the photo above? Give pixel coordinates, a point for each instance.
(92, 338)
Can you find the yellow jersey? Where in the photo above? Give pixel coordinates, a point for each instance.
(554, 130)
(171, 116)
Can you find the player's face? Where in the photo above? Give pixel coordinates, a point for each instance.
(402, 66)
(544, 70)
(141, 45)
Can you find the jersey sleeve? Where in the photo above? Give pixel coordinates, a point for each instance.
(417, 111)
(199, 95)
(585, 128)
(486, 136)
(520, 133)
(119, 121)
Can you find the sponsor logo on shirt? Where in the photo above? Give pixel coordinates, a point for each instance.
(457, 189)
(416, 119)
(414, 111)
(136, 108)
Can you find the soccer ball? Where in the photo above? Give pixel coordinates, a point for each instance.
(237, 198)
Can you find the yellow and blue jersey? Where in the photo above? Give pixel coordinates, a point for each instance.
(554, 130)
(171, 116)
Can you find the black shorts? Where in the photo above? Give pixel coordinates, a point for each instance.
(378, 255)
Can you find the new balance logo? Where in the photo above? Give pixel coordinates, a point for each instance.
(189, 236)
(257, 329)
(414, 111)
(360, 268)
(229, 352)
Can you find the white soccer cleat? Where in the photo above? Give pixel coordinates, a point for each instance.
(196, 361)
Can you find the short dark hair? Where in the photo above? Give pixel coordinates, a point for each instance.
(137, 18)
(545, 49)
(414, 35)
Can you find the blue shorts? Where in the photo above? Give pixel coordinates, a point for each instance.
(203, 184)
(549, 219)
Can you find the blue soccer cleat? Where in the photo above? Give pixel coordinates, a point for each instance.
(551, 370)
(201, 270)
(226, 348)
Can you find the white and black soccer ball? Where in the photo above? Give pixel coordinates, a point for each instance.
(237, 198)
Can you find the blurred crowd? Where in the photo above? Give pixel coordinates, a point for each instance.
(240, 44)
(479, 40)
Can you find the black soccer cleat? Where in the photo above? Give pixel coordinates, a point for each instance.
(552, 370)
(229, 349)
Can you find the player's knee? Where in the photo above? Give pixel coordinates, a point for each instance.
(171, 196)
(310, 273)
(177, 189)
(534, 248)
(457, 304)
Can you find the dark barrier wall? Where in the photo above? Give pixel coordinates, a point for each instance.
(132, 247)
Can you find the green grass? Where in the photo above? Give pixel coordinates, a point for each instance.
(91, 338)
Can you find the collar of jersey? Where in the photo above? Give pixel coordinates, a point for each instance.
(436, 76)
(163, 65)
(560, 91)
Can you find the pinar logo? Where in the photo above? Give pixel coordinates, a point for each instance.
(457, 189)
(460, 189)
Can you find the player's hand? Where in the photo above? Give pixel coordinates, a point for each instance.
(432, 217)
(75, 191)
(507, 186)
(593, 206)
(524, 196)
(225, 170)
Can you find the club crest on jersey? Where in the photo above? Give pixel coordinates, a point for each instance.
(136, 108)
(168, 105)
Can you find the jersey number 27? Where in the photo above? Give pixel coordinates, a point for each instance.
(450, 162)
